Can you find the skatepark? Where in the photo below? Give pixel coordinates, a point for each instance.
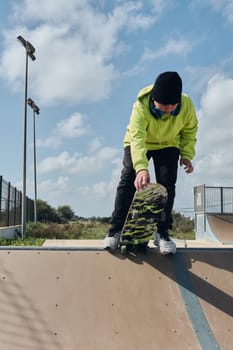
(70, 295)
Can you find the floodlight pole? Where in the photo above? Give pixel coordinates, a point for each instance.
(35, 181)
(36, 110)
(29, 53)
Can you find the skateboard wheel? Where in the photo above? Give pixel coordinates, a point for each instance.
(143, 248)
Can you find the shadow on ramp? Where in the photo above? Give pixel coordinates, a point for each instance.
(205, 280)
(89, 300)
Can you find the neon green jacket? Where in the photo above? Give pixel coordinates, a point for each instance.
(145, 132)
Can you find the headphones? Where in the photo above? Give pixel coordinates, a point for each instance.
(157, 113)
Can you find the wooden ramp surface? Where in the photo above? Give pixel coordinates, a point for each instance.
(93, 299)
(211, 273)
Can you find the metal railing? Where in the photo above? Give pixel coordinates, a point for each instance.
(215, 200)
(11, 205)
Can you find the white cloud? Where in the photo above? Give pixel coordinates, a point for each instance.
(213, 163)
(60, 185)
(199, 77)
(75, 43)
(159, 5)
(225, 7)
(95, 144)
(135, 21)
(50, 142)
(78, 164)
(179, 47)
(27, 11)
(228, 11)
(214, 156)
(63, 162)
(103, 189)
(86, 200)
(175, 47)
(95, 162)
(72, 127)
(217, 100)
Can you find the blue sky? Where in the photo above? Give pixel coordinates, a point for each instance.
(92, 58)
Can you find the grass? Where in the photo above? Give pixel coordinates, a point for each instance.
(38, 233)
(29, 241)
(183, 235)
(96, 231)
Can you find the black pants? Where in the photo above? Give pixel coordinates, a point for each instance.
(165, 165)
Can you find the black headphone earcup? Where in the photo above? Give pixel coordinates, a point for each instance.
(176, 110)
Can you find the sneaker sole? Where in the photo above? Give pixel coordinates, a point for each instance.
(164, 252)
(110, 248)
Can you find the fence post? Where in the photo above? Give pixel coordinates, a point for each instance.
(8, 203)
(15, 193)
(20, 206)
(221, 203)
(204, 206)
(0, 199)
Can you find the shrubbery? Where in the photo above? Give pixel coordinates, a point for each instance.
(73, 230)
(55, 230)
(61, 223)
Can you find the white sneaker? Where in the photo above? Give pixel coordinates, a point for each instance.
(166, 246)
(157, 239)
(112, 242)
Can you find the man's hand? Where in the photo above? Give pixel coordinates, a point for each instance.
(187, 164)
(142, 179)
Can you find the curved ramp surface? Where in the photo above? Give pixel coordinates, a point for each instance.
(222, 227)
(93, 299)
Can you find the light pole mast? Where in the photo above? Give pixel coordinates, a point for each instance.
(30, 50)
(36, 110)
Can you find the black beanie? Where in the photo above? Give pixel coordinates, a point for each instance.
(167, 88)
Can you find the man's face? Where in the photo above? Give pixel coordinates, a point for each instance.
(166, 109)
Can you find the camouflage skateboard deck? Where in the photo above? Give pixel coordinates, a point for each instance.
(144, 213)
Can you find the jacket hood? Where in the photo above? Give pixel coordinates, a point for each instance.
(145, 91)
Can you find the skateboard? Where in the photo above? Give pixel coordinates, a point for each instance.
(146, 210)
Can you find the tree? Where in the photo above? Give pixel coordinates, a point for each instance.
(182, 223)
(65, 212)
(45, 213)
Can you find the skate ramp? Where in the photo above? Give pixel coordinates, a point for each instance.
(214, 228)
(222, 227)
(68, 299)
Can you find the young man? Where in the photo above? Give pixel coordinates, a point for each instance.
(162, 127)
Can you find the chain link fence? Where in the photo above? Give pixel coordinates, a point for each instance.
(11, 204)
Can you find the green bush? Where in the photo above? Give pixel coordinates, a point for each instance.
(88, 229)
(22, 242)
(54, 230)
(84, 229)
(93, 228)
